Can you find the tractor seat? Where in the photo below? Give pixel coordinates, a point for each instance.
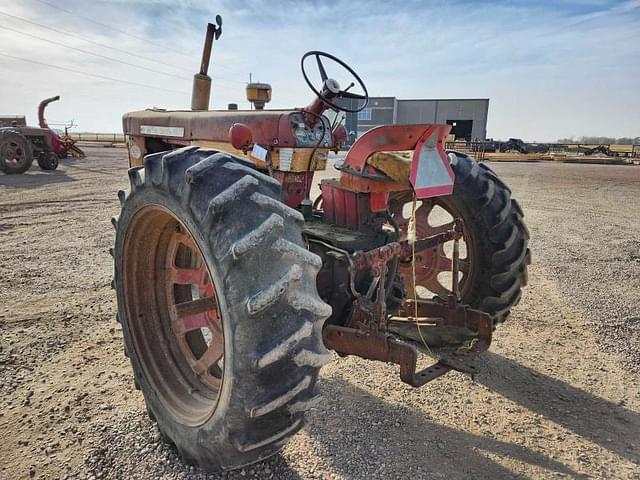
(395, 165)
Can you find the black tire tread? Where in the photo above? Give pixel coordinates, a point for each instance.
(278, 346)
(48, 161)
(503, 233)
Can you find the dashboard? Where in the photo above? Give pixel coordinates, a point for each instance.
(310, 136)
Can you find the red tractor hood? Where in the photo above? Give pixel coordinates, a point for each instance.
(269, 127)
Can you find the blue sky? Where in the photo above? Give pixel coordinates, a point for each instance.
(551, 68)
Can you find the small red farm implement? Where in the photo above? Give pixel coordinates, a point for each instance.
(20, 144)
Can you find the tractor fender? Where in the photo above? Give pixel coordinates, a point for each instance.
(429, 172)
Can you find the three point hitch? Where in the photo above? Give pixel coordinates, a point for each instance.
(452, 332)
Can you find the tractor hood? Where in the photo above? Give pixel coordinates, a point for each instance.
(268, 127)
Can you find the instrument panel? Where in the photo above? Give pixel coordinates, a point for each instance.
(306, 135)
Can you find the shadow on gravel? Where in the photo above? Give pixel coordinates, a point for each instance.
(34, 178)
(132, 449)
(377, 439)
(605, 423)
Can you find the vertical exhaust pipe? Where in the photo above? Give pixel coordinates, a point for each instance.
(43, 104)
(201, 93)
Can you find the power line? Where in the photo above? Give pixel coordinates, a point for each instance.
(95, 75)
(128, 34)
(57, 7)
(103, 45)
(87, 52)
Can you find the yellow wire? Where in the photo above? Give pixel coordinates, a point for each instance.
(411, 236)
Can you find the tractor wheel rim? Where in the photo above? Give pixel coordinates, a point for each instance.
(12, 153)
(173, 314)
(433, 266)
(198, 313)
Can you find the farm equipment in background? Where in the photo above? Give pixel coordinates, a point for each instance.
(516, 145)
(232, 282)
(539, 150)
(20, 144)
(63, 146)
(595, 150)
(598, 150)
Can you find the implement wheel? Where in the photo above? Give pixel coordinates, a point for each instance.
(15, 152)
(218, 304)
(494, 251)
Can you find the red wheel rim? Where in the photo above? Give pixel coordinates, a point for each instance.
(199, 312)
(12, 153)
(433, 267)
(173, 314)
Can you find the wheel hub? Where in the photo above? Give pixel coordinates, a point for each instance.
(197, 314)
(432, 267)
(11, 152)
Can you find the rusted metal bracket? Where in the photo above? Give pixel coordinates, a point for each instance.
(378, 256)
(366, 333)
(385, 347)
(450, 313)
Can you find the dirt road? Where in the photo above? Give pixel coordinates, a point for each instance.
(557, 397)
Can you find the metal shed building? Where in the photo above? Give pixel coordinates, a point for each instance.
(468, 117)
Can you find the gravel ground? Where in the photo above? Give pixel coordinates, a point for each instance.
(557, 396)
(586, 236)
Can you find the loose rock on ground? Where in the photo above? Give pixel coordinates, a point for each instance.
(557, 395)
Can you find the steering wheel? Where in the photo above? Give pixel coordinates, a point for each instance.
(331, 88)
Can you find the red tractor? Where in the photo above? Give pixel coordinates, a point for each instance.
(233, 285)
(20, 144)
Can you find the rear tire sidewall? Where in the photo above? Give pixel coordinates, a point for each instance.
(490, 213)
(265, 282)
(145, 197)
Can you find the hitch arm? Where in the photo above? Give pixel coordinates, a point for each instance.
(384, 348)
(369, 333)
(373, 259)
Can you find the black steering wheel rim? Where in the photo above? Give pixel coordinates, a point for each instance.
(341, 93)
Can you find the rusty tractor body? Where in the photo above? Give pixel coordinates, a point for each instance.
(20, 144)
(232, 283)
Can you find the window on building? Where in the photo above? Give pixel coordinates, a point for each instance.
(364, 114)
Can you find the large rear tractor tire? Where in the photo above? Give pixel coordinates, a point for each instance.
(218, 303)
(15, 152)
(495, 253)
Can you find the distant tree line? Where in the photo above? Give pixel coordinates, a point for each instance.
(601, 140)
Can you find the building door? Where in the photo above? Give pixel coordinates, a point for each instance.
(461, 129)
